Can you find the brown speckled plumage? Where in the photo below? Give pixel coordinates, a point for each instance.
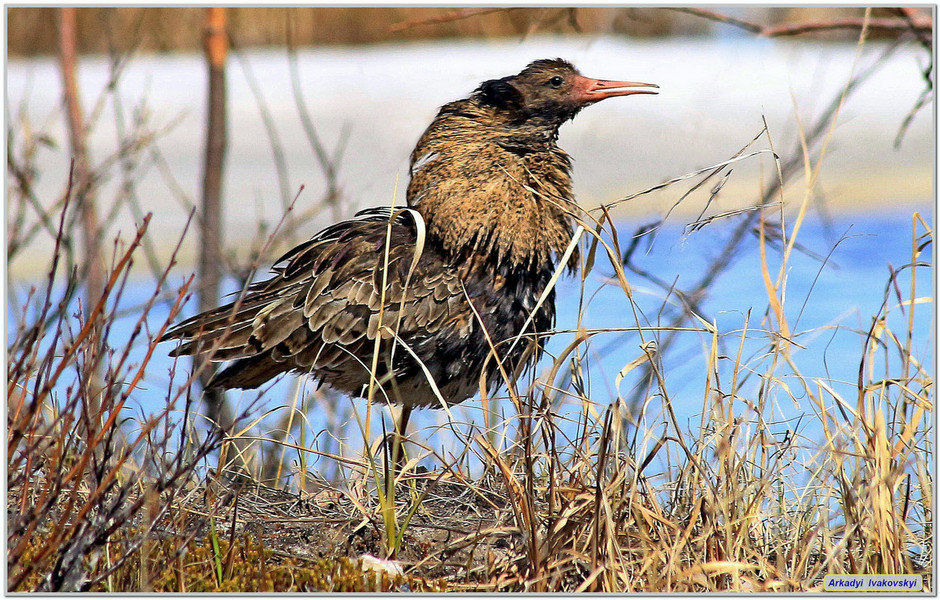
(489, 196)
(485, 192)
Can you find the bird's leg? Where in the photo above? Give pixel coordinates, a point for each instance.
(397, 454)
(398, 447)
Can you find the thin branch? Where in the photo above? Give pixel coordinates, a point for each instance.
(911, 22)
(457, 15)
(721, 18)
(84, 192)
(328, 165)
(277, 147)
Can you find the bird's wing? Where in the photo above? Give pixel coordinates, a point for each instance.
(327, 304)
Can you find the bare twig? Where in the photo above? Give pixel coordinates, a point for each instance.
(277, 147)
(457, 15)
(328, 164)
(913, 21)
(926, 41)
(94, 283)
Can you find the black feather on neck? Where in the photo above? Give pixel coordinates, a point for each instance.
(501, 94)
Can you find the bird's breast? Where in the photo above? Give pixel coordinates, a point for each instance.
(501, 318)
(480, 199)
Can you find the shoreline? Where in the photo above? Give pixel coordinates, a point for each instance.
(31, 265)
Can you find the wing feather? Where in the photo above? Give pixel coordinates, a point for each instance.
(320, 312)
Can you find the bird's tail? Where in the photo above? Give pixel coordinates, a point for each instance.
(203, 331)
(248, 373)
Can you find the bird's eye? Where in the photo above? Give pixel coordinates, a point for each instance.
(556, 81)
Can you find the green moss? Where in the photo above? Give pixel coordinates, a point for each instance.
(253, 568)
(246, 566)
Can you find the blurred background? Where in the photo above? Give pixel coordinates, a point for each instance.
(370, 79)
(323, 105)
(176, 29)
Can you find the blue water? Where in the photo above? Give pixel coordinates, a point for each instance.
(829, 306)
(832, 292)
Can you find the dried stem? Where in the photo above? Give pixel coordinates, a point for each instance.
(210, 253)
(84, 194)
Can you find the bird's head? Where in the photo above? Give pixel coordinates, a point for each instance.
(554, 90)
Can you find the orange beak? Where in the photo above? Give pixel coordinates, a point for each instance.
(589, 90)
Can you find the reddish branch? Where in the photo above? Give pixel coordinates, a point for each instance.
(210, 257)
(94, 283)
(908, 20)
(210, 251)
(77, 141)
(912, 21)
(216, 47)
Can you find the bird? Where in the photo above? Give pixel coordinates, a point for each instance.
(431, 302)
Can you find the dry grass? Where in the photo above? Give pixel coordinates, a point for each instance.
(632, 502)
(79, 474)
(556, 493)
